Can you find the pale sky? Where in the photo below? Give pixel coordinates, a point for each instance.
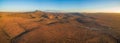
(61, 5)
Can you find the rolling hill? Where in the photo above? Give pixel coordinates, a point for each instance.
(49, 27)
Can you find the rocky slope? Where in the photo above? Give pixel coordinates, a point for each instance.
(48, 27)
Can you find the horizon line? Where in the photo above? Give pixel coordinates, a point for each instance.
(61, 11)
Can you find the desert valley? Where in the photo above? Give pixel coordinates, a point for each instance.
(51, 27)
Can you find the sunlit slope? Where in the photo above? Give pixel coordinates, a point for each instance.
(46, 27)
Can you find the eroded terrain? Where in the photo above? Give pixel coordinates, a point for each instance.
(48, 27)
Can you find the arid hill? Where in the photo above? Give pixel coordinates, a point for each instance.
(49, 27)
